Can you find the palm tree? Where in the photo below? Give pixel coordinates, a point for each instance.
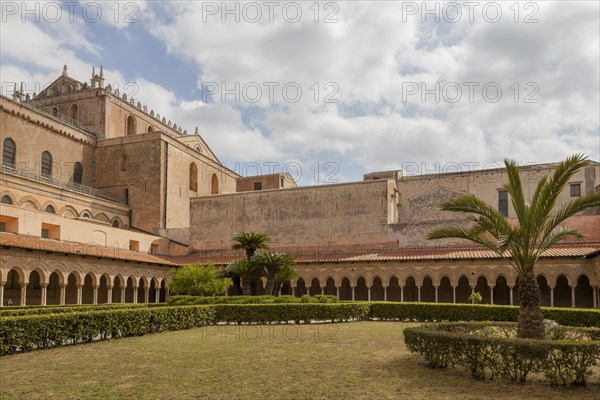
(283, 275)
(246, 272)
(271, 264)
(251, 242)
(537, 229)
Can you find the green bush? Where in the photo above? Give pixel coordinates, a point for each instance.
(389, 311)
(303, 312)
(487, 350)
(24, 333)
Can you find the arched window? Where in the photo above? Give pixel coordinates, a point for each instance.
(85, 214)
(78, 173)
(46, 164)
(50, 209)
(74, 112)
(199, 149)
(150, 129)
(6, 200)
(9, 153)
(115, 223)
(193, 177)
(130, 125)
(55, 111)
(214, 184)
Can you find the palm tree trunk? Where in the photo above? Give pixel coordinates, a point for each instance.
(254, 287)
(246, 286)
(531, 318)
(270, 281)
(276, 288)
(237, 286)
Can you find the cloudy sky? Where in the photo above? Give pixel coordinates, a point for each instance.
(332, 90)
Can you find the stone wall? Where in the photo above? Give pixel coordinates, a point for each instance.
(346, 214)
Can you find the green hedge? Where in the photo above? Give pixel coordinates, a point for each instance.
(24, 333)
(491, 350)
(14, 311)
(388, 311)
(268, 313)
(189, 300)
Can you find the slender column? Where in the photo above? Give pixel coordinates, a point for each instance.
(337, 291)
(135, 293)
(419, 294)
(368, 293)
(594, 297)
(23, 301)
(472, 291)
(3, 283)
(323, 289)
(402, 293)
(454, 294)
(512, 302)
(551, 296)
(109, 294)
(353, 287)
(146, 293)
(63, 293)
(43, 293)
(157, 295)
(436, 294)
(293, 290)
(385, 293)
(166, 294)
(79, 293)
(95, 296)
(573, 297)
(123, 289)
(491, 294)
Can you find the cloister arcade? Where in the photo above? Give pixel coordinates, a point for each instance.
(562, 285)
(91, 282)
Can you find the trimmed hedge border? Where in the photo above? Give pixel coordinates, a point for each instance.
(182, 300)
(11, 312)
(25, 333)
(488, 354)
(388, 311)
(284, 313)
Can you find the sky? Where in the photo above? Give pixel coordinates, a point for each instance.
(329, 91)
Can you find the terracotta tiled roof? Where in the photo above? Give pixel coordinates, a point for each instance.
(36, 243)
(423, 254)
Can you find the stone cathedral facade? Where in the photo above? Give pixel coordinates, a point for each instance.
(102, 196)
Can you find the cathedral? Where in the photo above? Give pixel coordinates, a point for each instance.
(101, 197)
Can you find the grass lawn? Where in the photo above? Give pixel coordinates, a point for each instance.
(362, 360)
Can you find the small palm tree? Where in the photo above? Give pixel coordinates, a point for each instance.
(283, 275)
(271, 264)
(246, 272)
(537, 229)
(250, 242)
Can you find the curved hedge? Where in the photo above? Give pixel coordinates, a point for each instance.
(489, 350)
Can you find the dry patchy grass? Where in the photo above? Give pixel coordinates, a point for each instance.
(362, 360)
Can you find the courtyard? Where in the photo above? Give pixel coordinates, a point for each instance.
(358, 360)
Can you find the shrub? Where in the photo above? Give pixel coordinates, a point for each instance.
(198, 280)
(487, 354)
